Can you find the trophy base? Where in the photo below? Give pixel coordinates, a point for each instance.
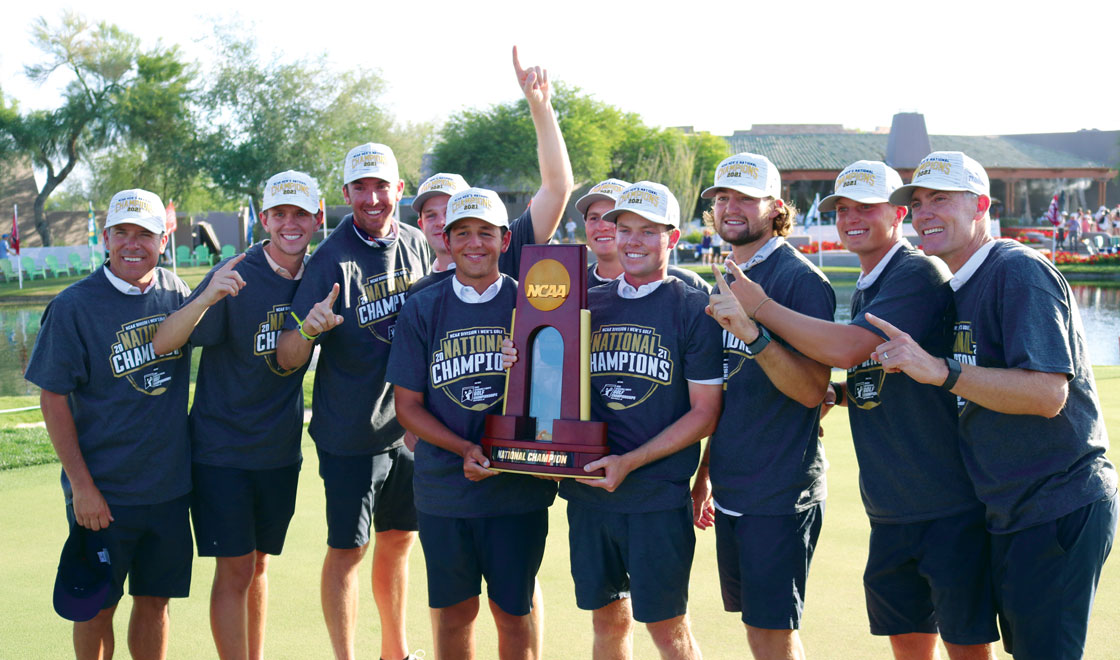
(508, 443)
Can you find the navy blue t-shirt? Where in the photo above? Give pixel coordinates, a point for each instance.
(129, 404)
(247, 411)
(643, 353)
(683, 274)
(352, 407)
(1017, 312)
(450, 351)
(905, 433)
(766, 458)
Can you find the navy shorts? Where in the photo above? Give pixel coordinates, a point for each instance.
(237, 511)
(1046, 577)
(764, 563)
(506, 550)
(932, 577)
(368, 488)
(153, 549)
(646, 557)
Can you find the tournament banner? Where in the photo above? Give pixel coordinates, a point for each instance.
(545, 428)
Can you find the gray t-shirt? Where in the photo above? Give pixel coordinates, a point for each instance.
(683, 274)
(1017, 312)
(450, 351)
(352, 409)
(643, 353)
(905, 433)
(129, 404)
(766, 458)
(247, 411)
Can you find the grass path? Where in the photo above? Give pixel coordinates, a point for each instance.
(32, 529)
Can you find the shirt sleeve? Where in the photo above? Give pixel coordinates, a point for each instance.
(1035, 319)
(60, 360)
(408, 364)
(703, 358)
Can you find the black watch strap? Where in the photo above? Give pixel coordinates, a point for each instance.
(954, 373)
(760, 342)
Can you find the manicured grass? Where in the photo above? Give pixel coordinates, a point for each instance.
(834, 627)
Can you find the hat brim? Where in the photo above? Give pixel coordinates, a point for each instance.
(488, 221)
(901, 197)
(419, 200)
(750, 191)
(151, 223)
(585, 202)
(829, 203)
(612, 216)
(287, 202)
(81, 589)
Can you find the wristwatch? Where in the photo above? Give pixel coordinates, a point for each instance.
(954, 373)
(760, 342)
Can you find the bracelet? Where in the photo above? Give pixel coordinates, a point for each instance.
(300, 327)
(841, 393)
(954, 373)
(758, 307)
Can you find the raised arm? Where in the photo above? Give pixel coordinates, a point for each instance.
(552, 153)
(175, 330)
(799, 377)
(293, 348)
(1010, 391)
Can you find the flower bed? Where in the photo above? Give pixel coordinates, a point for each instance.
(814, 247)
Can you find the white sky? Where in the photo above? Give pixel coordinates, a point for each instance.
(974, 67)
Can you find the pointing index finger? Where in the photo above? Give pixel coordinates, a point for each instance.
(332, 295)
(721, 282)
(733, 268)
(233, 262)
(891, 331)
(517, 64)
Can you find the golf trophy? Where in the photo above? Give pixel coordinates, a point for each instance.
(545, 428)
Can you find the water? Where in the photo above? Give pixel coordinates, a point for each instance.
(1099, 305)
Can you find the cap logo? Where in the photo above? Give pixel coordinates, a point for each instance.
(442, 183)
(368, 159)
(737, 170)
(932, 165)
(638, 197)
(289, 187)
(133, 205)
(547, 285)
(856, 177)
(607, 188)
(471, 203)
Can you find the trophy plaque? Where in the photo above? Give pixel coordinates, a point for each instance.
(545, 428)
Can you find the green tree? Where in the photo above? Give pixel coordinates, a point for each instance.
(268, 115)
(100, 62)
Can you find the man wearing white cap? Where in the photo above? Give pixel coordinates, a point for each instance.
(655, 369)
(1032, 434)
(601, 237)
(766, 468)
(116, 414)
(247, 418)
(927, 568)
(347, 302)
(540, 220)
(475, 523)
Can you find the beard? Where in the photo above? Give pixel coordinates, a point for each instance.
(745, 237)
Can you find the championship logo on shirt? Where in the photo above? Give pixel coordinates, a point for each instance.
(133, 357)
(264, 340)
(381, 300)
(865, 384)
(467, 367)
(964, 350)
(628, 364)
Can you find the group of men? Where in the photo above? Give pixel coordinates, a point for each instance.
(973, 411)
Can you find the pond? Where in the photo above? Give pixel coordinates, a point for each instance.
(1099, 305)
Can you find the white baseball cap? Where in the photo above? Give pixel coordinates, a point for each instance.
(370, 160)
(438, 184)
(137, 207)
(604, 191)
(749, 174)
(944, 170)
(865, 181)
(291, 187)
(652, 201)
(479, 203)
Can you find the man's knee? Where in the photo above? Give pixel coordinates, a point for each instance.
(345, 558)
(235, 573)
(671, 633)
(394, 541)
(260, 565)
(768, 643)
(613, 621)
(456, 616)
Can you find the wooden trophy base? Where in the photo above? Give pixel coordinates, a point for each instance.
(509, 444)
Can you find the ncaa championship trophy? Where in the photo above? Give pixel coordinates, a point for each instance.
(545, 428)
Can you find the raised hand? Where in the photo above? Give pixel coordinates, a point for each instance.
(322, 317)
(533, 82)
(225, 282)
(725, 308)
(900, 353)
